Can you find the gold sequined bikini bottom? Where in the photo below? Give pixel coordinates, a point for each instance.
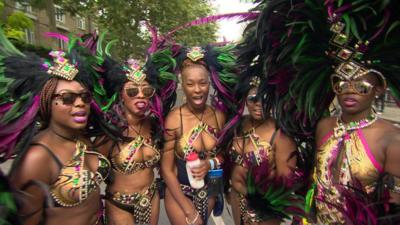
(246, 214)
(138, 204)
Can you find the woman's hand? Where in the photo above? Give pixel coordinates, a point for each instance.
(201, 171)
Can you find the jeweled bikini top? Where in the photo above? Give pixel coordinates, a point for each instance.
(124, 162)
(262, 151)
(187, 140)
(75, 183)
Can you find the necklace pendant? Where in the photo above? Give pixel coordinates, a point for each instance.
(339, 131)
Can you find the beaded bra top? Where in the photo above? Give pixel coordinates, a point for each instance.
(75, 183)
(125, 163)
(262, 151)
(187, 140)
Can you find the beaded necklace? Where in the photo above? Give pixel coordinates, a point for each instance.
(342, 133)
(342, 129)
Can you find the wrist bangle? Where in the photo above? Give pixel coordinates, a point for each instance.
(212, 164)
(194, 220)
(217, 162)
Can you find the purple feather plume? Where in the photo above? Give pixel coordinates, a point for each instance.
(5, 107)
(220, 86)
(57, 35)
(154, 38)
(243, 16)
(156, 109)
(168, 89)
(9, 133)
(94, 106)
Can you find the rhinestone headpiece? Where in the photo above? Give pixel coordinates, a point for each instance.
(61, 68)
(195, 53)
(135, 71)
(350, 55)
(255, 81)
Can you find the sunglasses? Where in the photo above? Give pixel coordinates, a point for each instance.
(253, 98)
(147, 92)
(68, 98)
(360, 87)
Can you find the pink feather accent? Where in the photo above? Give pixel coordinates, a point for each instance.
(94, 106)
(220, 86)
(154, 37)
(243, 16)
(5, 107)
(156, 109)
(57, 35)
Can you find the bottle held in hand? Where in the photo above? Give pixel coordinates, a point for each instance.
(193, 161)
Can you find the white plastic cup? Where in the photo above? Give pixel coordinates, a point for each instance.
(193, 161)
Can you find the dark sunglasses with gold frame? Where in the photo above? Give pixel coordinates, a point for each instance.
(68, 98)
(147, 91)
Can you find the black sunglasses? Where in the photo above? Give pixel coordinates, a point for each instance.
(68, 98)
(253, 98)
(132, 92)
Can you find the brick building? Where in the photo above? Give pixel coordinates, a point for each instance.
(65, 24)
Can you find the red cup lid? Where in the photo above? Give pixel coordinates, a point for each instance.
(192, 156)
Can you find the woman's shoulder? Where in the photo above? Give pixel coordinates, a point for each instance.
(174, 112)
(220, 114)
(34, 164)
(326, 124)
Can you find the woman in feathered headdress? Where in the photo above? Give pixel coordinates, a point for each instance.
(314, 50)
(47, 117)
(195, 128)
(261, 154)
(140, 96)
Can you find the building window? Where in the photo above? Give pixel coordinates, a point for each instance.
(81, 23)
(61, 44)
(29, 36)
(60, 16)
(23, 7)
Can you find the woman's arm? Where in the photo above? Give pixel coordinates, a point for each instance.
(35, 167)
(392, 164)
(168, 167)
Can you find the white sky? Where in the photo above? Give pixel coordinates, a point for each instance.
(229, 29)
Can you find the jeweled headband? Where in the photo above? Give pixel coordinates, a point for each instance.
(61, 68)
(195, 54)
(350, 56)
(135, 71)
(255, 81)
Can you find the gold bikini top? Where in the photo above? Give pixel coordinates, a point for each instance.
(262, 150)
(74, 182)
(124, 162)
(360, 162)
(187, 140)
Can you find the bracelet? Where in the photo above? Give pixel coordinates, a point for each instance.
(218, 162)
(212, 164)
(194, 220)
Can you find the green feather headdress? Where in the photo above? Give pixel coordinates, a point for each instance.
(22, 77)
(295, 45)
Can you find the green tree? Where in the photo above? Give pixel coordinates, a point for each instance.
(124, 20)
(15, 24)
